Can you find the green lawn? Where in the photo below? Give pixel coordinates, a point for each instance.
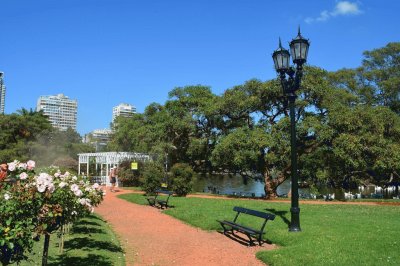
(90, 242)
(331, 234)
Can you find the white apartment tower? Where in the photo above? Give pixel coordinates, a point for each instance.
(2, 93)
(123, 109)
(61, 110)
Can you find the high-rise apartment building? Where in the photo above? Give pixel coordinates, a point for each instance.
(99, 138)
(61, 110)
(123, 109)
(2, 93)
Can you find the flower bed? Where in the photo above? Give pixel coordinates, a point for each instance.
(38, 203)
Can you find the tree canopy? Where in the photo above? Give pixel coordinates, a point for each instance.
(28, 134)
(347, 126)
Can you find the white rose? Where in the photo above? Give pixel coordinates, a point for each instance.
(41, 188)
(12, 166)
(23, 176)
(78, 193)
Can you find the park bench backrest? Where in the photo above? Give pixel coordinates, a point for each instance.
(164, 192)
(264, 215)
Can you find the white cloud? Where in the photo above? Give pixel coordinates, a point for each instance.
(323, 16)
(346, 8)
(342, 8)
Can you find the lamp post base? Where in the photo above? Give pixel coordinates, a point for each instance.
(295, 222)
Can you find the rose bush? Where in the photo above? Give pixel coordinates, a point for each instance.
(34, 204)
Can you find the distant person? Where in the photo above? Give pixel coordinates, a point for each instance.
(113, 178)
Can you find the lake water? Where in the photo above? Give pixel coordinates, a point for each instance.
(236, 185)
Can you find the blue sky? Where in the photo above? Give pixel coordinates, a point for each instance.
(105, 52)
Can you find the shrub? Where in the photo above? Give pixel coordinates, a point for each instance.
(181, 179)
(66, 163)
(152, 177)
(37, 203)
(130, 177)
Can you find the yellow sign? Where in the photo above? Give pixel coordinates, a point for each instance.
(134, 166)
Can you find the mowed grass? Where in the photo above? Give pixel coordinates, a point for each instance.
(331, 234)
(90, 242)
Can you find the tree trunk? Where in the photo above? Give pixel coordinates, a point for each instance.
(269, 187)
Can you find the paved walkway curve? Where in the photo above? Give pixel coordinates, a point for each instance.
(150, 237)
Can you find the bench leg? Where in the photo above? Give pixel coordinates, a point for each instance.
(151, 202)
(260, 241)
(251, 241)
(162, 205)
(226, 229)
(223, 226)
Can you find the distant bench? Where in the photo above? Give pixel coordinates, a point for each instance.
(250, 232)
(160, 199)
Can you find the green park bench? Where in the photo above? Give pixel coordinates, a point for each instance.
(160, 199)
(249, 231)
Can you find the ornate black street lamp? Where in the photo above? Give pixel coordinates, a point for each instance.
(290, 81)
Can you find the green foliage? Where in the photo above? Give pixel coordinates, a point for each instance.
(347, 126)
(182, 177)
(18, 131)
(130, 177)
(37, 204)
(241, 150)
(152, 177)
(59, 148)
(29, 135)
(382, 74)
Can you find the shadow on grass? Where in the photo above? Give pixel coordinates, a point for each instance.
(91, 259)
(84, 222)
(243, 239)
(84, 243)
(281, 214)
(87, 230)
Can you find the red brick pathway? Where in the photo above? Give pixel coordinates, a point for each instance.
(150, 237)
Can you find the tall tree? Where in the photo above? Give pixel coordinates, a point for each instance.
(18, 131)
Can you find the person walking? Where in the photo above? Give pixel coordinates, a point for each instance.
(113, 178)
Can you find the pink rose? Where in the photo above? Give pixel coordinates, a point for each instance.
(23, 176)
(30, 164)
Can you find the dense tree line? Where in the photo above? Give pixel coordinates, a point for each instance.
(28, 134)
(348, 126)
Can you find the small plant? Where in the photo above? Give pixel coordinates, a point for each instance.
(182, 179)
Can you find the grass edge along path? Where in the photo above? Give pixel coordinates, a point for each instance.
(332, 234)
(91, 241)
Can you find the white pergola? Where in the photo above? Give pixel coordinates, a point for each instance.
(103, 162)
